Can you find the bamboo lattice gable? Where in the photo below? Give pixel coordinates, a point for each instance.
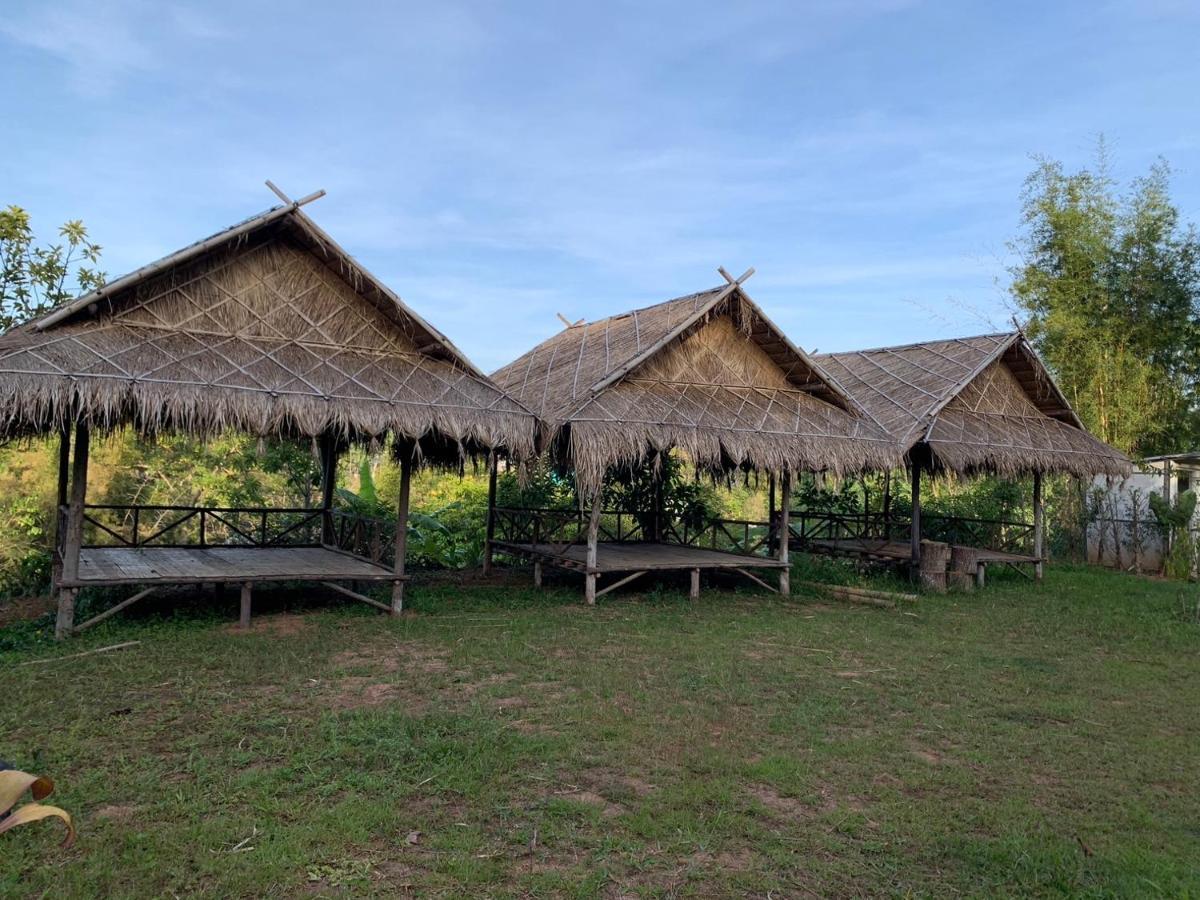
(268, 328)
(982, 403)
(707, 373)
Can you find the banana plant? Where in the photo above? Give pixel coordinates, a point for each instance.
(13, 785)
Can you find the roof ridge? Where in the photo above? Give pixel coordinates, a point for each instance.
(914, 344)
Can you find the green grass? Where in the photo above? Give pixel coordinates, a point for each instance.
(1023, 740)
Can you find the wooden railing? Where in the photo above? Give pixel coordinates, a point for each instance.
(122, 525)
(366, 536)
(751, 537)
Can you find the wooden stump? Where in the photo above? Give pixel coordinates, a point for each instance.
(935, 559)
(964, 564)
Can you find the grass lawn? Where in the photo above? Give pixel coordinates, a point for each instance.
(505, 742)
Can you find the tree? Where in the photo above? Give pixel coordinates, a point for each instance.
(35, 279)
(1111, 287)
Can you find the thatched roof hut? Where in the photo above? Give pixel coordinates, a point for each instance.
(974, 404)
(708, 373)
(268, 327)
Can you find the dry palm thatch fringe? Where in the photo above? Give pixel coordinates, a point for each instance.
(707, 373)
(981, 404)
(276, 332)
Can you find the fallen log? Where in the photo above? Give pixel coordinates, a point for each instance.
(862, 595)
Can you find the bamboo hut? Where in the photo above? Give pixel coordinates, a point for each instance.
(983, 404)
(707, 374)
(268, 327)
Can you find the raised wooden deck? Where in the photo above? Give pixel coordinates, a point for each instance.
(900, 551)
(198, 565)
(639, 557)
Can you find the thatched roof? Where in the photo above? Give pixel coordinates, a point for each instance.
(268, 327)
(708, 373)
(975, 404)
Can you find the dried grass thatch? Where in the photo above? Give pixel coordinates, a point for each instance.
(707, 373)
(976, 404)
(269, 328)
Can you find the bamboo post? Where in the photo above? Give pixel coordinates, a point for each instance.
(657, 499)
(694, 593)
(593, 539)
(1039, 525)
(537, 574)
(785, 509)
(60, 506)
(74, 537)
(329, 457)
(491, 514)
(244, 614)
(406, 461)
(887, 505)
(915, 527)
(771, 513)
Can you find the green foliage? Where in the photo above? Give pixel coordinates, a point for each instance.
(684, 499)
(35, 279)
(1111, 287)
(1176, 520)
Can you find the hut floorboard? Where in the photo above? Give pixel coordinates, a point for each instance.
(185, 565)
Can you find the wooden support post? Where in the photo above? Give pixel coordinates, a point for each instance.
(1039, 525)
(593, 539)
(771, 513)
(915, 528)
(490, 534)
(406, 462)
(1168, 533)
(887, 505)
(60, 506)
(785, 509)
(537, 573)
(694, 593)
(657, 527)
(244, 616)
(74, 537)
(329, 458)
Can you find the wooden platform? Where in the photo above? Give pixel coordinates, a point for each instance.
(638, 557)
(198, 565)
(901, 551)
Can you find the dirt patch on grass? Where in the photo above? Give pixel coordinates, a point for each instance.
(116, 812)
(279, 625)
(22, 609)
(412, 656)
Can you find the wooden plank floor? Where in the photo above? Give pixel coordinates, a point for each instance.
(641, 557)
(190, 565)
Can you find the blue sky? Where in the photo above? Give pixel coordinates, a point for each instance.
(497, 163)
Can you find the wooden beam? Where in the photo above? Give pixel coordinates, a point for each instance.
(247, 599)
(490, 531)
(756, 580)
(771, 532)
(329, 460)
(785, 507)
(593, 539)
(354, 595)
(112, 611)
(694, 593)
(914, 533)
(1039, 516)
(74, 538)
(406, 462)
(623, 581)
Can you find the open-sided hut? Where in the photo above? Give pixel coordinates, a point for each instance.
(707, 374)
(270, 328)
(983, 404)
